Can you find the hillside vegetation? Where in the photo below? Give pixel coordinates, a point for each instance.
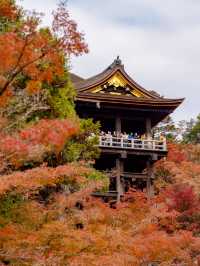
(47, 214)
(49, 218)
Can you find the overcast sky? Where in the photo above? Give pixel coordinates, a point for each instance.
(158, 42)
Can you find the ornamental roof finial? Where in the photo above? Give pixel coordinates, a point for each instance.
(117, 62)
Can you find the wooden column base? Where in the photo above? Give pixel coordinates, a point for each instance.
(150, 186)
(119, 185)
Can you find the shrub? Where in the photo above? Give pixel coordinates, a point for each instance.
(181, 198)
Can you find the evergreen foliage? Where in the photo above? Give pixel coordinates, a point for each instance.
(84, 146)
(193, 136)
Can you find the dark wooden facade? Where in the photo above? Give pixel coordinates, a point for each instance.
(122, 105)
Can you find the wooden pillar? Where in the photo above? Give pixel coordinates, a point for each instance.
(118, 124)
(119, 162)
(150, 187)
(119, 185)
(148, 128)
(122, 187)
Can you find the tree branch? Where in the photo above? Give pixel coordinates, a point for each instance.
(11, 79)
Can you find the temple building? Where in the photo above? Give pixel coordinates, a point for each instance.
(122, 105)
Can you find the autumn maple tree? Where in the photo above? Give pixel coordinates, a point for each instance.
(47, 213)
(34, 82)
(37, 53)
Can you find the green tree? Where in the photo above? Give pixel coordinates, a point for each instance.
(193, 135)
(84, 146)
(167, 127)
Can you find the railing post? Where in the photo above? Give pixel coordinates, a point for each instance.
(154, 145)
(132, 143)
(164, 145)
(143, 141)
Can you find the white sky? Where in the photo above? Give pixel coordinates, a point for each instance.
(158, 42)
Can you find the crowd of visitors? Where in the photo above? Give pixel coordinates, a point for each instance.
(115, 138)
(130, 136)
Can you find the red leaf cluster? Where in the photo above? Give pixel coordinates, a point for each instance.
(50, 133)
(70, 39)
(176, 153)
(34, 179)
(182, 198)
(8, 9)
(37, 53)
(32, 143)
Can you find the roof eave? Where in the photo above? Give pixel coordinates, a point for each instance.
(174, 103)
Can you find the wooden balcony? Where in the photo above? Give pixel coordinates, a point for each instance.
(132, 144)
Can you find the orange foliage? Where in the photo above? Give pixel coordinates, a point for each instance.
(33, 86)
(50, 133)
(65, 234)
(35, 142)
(181, 166)
(180, 180)
(164, 249)
(71, 41)
(8, 9)
(181, 198)
(36, 53)
(33, 180)
(176, 153)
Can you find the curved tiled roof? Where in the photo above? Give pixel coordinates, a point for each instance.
(84, 85)
(75, 78)
(116, 66)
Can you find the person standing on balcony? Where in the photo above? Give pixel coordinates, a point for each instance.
(125, 140)
(114, 138)
(130, 136)
(136, 136)
(109, 139)
(102, 138)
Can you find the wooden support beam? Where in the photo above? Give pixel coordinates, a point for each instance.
(119, 185)
(124, 155)
(150, 186)
(118, 124)
(118, 170)
(134, 175)
(119, 151)
(148, 128)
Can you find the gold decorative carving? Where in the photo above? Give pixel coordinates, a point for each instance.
(118, 81)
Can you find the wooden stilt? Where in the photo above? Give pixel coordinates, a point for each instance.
(118, 124)
(118, 171)
(118, 128)
(148, 128)
(150, 188)
(120, 188)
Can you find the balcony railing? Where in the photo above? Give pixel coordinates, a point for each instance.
(134, 144)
